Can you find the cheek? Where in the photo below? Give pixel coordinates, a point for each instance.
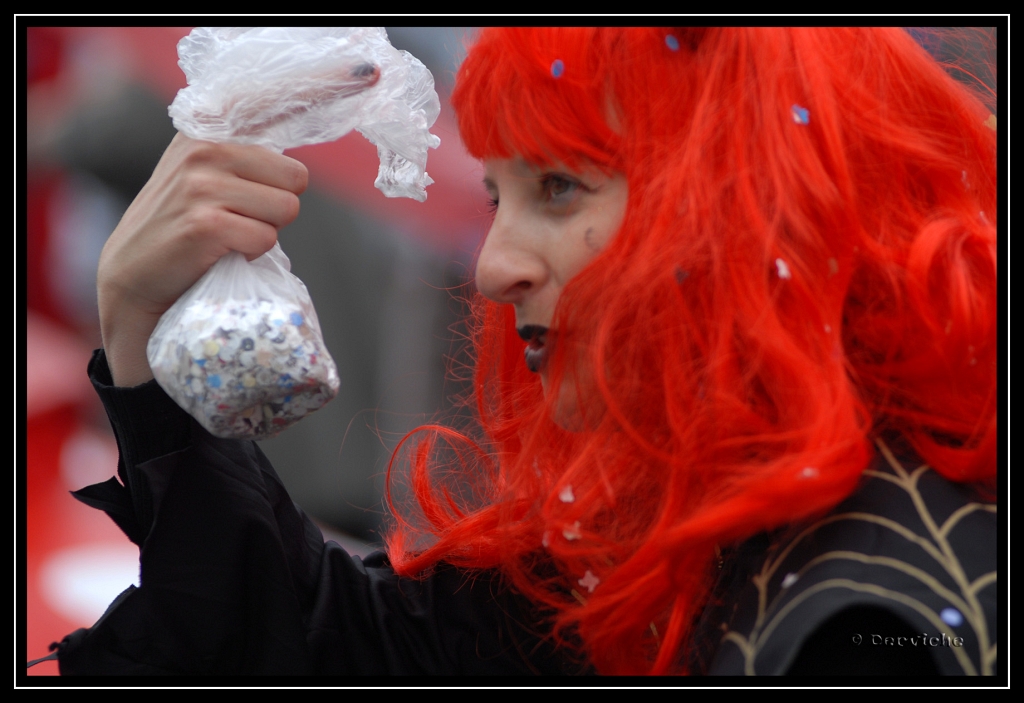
(589, 234)
(579, 246)
(599, 229)
(582, 243)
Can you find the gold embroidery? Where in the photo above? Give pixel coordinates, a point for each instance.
(937, 547)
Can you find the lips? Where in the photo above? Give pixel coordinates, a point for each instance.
(538, 346)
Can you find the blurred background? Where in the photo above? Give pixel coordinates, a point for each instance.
(384, 275)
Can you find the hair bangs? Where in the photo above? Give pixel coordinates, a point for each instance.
(537, 94)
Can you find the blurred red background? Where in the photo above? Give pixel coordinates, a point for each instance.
(76, 559)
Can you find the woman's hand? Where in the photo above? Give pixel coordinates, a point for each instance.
(203, 201)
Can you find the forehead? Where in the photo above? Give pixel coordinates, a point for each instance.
(495, 169)
(517, 167)
(501, 174)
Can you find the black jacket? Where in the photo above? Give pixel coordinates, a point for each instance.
(235, 579)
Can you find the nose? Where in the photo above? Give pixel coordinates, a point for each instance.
(509, 269)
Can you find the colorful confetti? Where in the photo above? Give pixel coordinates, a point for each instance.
(245, 369)
(589, 581)
(800, 114)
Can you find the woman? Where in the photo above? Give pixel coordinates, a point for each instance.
(751, 273)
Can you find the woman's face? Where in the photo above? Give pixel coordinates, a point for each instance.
(549, 223)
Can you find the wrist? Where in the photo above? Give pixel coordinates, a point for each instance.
(125, 334)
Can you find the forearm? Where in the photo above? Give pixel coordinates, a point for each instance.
(125, 336)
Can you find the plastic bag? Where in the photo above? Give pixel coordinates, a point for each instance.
(283, 87)
(241, 350)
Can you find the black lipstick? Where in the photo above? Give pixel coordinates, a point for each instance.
(532, 332)
(537, 346)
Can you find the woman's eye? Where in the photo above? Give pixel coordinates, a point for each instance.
(556, 186)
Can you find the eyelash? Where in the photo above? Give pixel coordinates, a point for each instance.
(548, 183)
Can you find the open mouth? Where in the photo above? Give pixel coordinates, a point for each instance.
(538, 346)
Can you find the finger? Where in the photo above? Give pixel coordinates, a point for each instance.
(250, 163)
(276, 170)
(198, 188)
(248, 236)
(275, 206)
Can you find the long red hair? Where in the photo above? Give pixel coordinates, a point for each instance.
(808, 258)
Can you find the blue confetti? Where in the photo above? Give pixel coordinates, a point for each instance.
(800, 114)
(296, 319)
(672, 43)
(557, 68)
(952, 617)
(213, 381)
(200, 362)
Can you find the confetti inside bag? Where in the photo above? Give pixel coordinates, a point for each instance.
(241, 351)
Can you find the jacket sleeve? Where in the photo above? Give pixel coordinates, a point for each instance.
(235, 579)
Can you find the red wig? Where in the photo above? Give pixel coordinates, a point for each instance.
(808, 259)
